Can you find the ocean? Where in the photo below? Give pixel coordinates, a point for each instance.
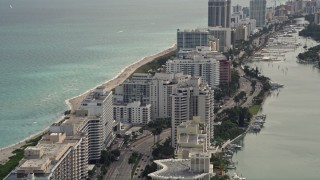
(52, 50)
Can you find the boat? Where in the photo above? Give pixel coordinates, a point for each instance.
(235, 146)
(237, 177)
(275, 85)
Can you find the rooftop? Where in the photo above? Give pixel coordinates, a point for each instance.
(176, 169)
(51, 153)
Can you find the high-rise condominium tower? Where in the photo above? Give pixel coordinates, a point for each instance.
(258, 11)
(219, 12)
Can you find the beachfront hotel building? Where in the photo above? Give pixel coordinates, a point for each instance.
(197, 167)
(97, 110)
(191, 38)
(219, 12)
(194, 63)
(56, 156)
(258, 11)
(132, 113)
(192, 98)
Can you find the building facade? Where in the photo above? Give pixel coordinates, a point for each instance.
(97, 109)
(258, 11)
(190, 39)
(192, 98)
(156, 91)
(219, 12)
(239, 33)
(224, 37)
(132, 113)
(225, 71)
(196, 65)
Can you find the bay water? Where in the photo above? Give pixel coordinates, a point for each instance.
(287, 148)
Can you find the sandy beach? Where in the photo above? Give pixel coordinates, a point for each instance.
(74, 102)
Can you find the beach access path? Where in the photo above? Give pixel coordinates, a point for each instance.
(74, 103)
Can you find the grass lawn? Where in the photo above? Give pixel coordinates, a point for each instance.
(254, 109)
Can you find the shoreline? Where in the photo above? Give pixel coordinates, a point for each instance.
(74, 102)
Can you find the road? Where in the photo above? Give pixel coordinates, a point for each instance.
(245, 85)
(122, 170)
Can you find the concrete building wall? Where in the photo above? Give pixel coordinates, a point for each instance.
(258, 11)
(219, 12)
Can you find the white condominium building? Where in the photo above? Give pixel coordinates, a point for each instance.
(135, 89)
(97, 109)
(148, 89)
(162, 87)
(196, 65)
(192, 98)
(133, 113)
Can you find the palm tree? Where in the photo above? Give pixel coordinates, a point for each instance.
(156, 131)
